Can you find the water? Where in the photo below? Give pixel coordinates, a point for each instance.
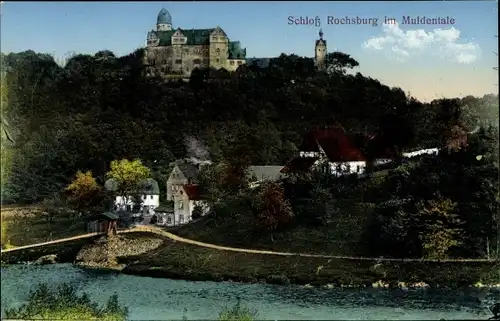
(161, 299)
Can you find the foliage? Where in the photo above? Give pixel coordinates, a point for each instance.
(84, 194)
(63, 303)
(197, 212)
(128, 175)
(440, 229)
(237, 313)
(5, 241)
(272, 209)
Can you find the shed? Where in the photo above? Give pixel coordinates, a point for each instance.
(103, 223)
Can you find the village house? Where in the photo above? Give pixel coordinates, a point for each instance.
(333, 147)
(148, 193)
(185, 172)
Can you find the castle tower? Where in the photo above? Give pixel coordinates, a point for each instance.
(320, 52)
(164, 21)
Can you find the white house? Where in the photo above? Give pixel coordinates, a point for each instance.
(331, 146)
(148, 191)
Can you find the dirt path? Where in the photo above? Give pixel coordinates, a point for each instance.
(173, 237)
(81, 236)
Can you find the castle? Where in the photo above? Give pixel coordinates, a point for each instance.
(176, 53)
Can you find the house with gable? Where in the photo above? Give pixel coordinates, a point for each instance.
(147, 189)
(331, 146)
(184, 172)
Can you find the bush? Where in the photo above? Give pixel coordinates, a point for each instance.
(64, 303)
(237, 313)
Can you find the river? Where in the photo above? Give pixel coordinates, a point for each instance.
(162, 299)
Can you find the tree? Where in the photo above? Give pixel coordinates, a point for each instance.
(272, 209)
(127, 175)
(440, 227)
(84, 194)
(339, 62)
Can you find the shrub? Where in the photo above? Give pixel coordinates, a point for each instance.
(238, 313)
(63, 303)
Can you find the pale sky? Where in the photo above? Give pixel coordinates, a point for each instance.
(428, 61)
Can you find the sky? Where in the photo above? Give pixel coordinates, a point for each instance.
(428, 61)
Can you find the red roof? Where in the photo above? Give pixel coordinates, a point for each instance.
(192, 192)
(334, 142)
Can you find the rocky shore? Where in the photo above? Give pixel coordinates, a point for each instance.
(106, 251)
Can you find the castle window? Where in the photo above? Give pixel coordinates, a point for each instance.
(196, 61)
(178, 61)
(214, 38)
(217, 60)
(240, 62)
(231, 62)
(221, 38)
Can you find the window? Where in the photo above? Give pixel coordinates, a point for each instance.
(181, 205)
(197, 61)
(217, 60)
(162, 69)
(178, 61)
(173, 188)
(214, 38)
(143, 197)
(169, 219)
(186, 50)
(221, 38)
(240, 62)
(153, 62)
(181, 219)
(163, 62)
(231, 62)
(218, 51)
(151, 197)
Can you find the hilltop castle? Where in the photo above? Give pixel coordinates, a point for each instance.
(176, 52)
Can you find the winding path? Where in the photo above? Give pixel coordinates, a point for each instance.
(176, 238)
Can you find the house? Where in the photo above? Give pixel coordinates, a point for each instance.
(165, 214)
(259, 174)
(186, 200)
(331, 146)
(103, 223)
(185, 172)
(147, 190)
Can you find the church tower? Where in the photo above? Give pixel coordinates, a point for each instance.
(320, 52)
(164, 21)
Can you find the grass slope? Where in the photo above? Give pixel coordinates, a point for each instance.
(342, 236)
(191, 262)
(26, 225)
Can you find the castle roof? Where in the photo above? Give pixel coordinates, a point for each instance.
(164, 17)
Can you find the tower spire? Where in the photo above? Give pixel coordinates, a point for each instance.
(321, 34)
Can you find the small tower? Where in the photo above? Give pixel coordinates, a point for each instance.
(164, 21)
(320, 52)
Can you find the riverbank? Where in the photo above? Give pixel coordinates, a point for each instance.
(178, 260)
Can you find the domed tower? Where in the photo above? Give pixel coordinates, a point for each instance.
(320, 52)
(164, 21)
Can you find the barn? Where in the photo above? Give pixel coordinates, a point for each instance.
(103, 223)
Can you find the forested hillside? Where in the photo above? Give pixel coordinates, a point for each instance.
(99, 108)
